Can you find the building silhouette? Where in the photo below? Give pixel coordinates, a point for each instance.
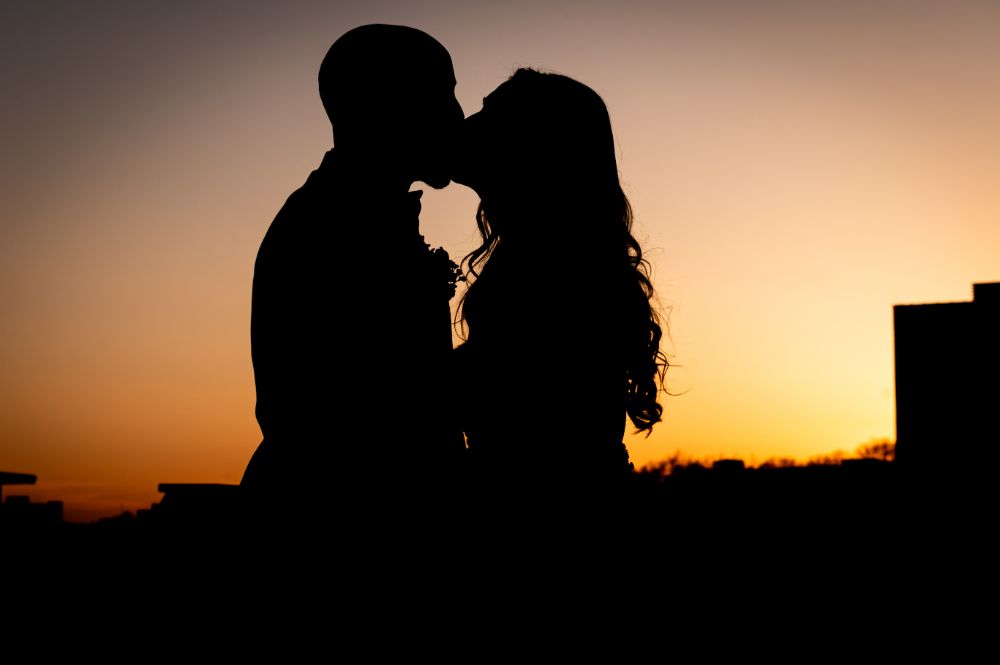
(948, 381)
(20, 513)
(10, 478)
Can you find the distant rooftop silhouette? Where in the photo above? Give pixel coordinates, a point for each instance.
(19, 513)
(948, 380)
(9, 478)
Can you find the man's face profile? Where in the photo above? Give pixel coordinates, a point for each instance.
(438, 119)
(390, 92)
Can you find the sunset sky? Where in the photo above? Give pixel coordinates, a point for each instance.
(796, 168)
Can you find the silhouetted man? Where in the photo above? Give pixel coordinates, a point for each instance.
(351, 328)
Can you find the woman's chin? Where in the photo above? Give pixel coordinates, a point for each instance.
(436, 181)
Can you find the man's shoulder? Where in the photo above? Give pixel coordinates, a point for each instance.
(313, 197)
(312, 208)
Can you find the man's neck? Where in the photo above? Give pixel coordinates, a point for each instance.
(373, 175)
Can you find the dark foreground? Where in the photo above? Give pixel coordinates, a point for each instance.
(857, 506)
(824, 546)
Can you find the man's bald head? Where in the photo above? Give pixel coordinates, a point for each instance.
(373, 66)
(384, 85)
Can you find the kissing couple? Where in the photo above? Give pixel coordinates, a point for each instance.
(362, 398)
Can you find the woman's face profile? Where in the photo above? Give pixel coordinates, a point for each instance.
(489, 141)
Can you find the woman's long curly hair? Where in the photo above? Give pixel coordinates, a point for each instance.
(548, 163)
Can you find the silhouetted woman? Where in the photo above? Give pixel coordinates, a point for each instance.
(562, 341)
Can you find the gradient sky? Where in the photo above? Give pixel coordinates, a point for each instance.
(796, 169)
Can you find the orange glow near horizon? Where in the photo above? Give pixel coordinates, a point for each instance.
(795, 171)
